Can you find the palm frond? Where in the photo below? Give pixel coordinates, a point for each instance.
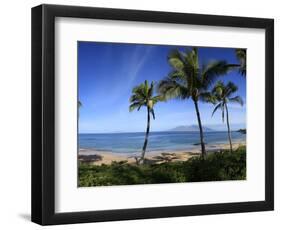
(216, 108)
(176, 59)
(169, 89)
(134, 106)
(192, 60)
(241, 56)
(139, 92)
(240, 53)
(178, 75)
(230, 88)
(207, 97)
(158, 98)
(137, 98)
(150, 90)
(146, 88)
(236, 99)
(212, 71)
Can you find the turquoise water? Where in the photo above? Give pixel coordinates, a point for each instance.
(128, 143)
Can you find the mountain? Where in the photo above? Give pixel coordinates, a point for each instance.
(223, 127)
(190, 128)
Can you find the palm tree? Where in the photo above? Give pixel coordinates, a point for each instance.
(241, 56)
(189, 79)
(143, 97)
(79, 106)
(222, 95)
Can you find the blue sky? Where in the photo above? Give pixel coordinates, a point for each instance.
(107, 72)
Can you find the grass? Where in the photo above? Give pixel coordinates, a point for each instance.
(219, 166)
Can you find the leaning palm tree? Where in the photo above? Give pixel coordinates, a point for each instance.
(143, 97)
(241, 56)
(189, 79)
(222, 95)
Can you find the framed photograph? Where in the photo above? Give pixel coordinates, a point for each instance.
(141, 114)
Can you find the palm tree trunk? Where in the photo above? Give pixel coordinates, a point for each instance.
(228, 128)
(146, 136)
(200, 128)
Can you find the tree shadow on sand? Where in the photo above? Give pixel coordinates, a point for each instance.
(163, 158)
(89, 158)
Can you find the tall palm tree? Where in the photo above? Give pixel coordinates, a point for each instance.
(143, 97)
(190, 79)
(222, 95)
(241, 56)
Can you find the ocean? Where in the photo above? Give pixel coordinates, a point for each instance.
(130, 143)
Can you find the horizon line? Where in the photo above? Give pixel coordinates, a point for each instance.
(210, 131)
(169, 130)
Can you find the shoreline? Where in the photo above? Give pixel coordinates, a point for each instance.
(99, 157)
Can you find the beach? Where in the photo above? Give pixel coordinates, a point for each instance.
(98, 157)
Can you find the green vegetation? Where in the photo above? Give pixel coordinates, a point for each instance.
(241, 56)
(222, 95)
(217, 166)
(143, 97)
(189, 79)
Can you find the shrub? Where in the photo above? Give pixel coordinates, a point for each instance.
(217, 166)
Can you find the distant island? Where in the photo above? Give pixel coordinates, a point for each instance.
(190, 128)
(242, 131)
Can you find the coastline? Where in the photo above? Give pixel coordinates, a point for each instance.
(98, 157)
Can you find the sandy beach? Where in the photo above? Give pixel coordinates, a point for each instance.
(157, 157)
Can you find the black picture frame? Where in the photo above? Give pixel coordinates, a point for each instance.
(43, 114)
